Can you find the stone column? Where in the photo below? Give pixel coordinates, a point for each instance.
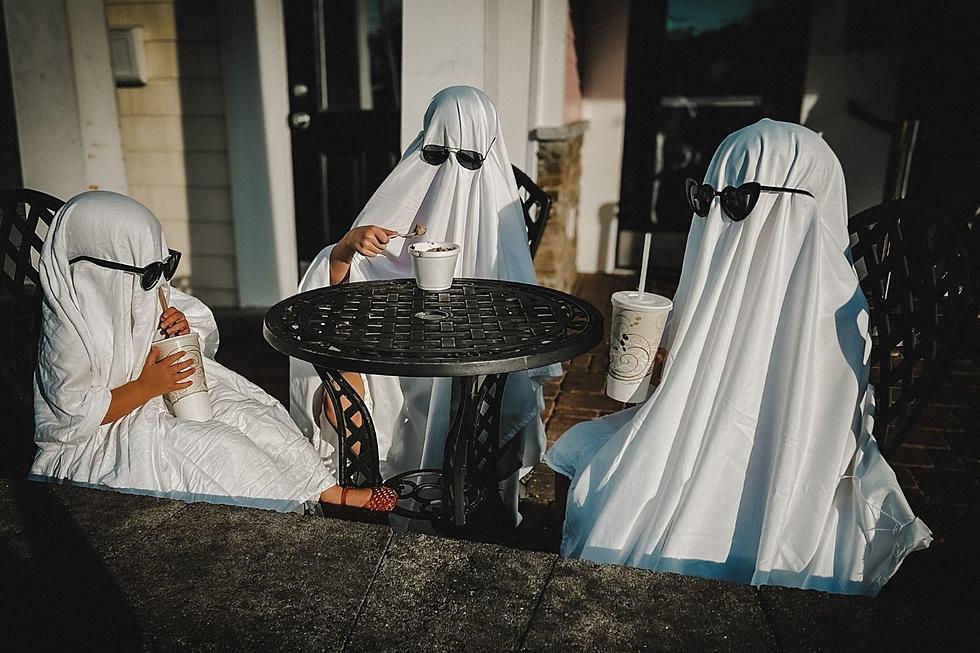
(559, 174)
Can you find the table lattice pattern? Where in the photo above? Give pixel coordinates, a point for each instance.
(475, 327)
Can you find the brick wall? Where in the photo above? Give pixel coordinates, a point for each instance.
(174, 142)
(559, 173)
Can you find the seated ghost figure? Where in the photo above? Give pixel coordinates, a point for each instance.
(456, 180)
(100, 416)
(753, 461)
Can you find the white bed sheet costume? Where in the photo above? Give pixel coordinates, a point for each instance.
(98, 326)
(479, 210)
(753, 461)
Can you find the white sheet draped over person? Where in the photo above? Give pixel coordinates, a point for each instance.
(753, 461)
(98, 328)
(478, 209)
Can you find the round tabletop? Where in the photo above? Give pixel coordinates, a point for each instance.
(393, 327)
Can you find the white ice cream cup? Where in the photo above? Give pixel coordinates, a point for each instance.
(192, 402)
(434, 264)
(638, 324)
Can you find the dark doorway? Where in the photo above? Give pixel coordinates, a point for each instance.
(939, 135)
(695, 72)
(344, 60)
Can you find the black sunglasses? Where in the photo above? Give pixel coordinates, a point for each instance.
(149, 275)
(437, 154)
(737, 203)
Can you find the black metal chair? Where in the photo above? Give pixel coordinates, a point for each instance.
(25, 216)
(536, 205)
(913, 263)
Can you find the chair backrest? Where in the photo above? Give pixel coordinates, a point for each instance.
(912, 261)
(536, 205)
(25, 216)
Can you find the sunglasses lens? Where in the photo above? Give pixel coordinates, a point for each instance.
(731, 204)
(151, 275)
(469, 159)
(699, 197)
(170, 265)
(434, 154)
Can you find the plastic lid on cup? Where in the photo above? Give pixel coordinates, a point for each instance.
(647, 302)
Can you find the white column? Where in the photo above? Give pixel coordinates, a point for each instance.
(96, 92)
(257, 105)
(509, 35)
(442, 45)
(547, 106)
(64, 98)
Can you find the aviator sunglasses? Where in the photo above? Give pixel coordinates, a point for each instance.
(736, 203)
(149, 275)
(436, 155)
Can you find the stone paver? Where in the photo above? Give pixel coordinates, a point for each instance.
(608, 608)
(56, 584)
(435, 594)
(816, 621)
(251, 579)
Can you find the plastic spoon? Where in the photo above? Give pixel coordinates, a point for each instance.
(417, 230)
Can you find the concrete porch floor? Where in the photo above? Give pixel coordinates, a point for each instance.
(81, 567)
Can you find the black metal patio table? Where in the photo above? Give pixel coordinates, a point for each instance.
(477, 328)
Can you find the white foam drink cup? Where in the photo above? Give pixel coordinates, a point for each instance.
(192, 402)
(434, 264)
(638, 323)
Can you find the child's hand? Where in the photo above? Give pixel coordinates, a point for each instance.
(658, 365)
(174, 323)
(159, 378)
(369, 240)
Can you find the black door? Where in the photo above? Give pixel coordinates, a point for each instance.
(344, 59)
(696, 72)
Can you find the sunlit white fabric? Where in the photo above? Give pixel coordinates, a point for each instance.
(753, 461)
(480, 210)
(98, 326)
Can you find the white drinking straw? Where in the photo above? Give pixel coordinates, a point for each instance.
(643, 266)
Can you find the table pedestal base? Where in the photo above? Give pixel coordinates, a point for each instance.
(421, 495)
(470, 462)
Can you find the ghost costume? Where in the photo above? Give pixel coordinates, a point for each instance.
(753, 461)
(98, 326)
(480, 210)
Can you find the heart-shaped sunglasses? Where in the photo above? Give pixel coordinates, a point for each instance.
(736, 203)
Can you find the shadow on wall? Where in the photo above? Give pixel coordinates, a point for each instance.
(608, 221)
(205, 152)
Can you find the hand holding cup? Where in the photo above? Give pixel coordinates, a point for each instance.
(168, 374)
(174, 323)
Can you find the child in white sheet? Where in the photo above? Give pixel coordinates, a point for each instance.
(455, 179)
(753, 461)
(100, 417)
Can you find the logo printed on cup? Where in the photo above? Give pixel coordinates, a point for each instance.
(636, 353)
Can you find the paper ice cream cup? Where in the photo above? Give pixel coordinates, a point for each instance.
(434, 264)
